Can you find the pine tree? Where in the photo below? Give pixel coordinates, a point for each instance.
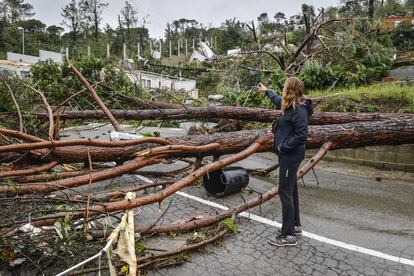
(73, 17)
(94, 9)
(16, 10)
(129, 19)
(409, 6)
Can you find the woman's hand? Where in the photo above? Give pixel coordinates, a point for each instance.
(262, 88)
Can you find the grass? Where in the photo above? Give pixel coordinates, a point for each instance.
(373, 98)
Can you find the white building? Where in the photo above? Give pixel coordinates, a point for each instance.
(43, 56)
(53, 56)
(150, 80)
(21, 58)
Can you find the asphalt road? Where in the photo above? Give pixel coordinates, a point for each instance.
(359, 221)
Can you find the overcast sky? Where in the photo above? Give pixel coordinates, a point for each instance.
(161, 12)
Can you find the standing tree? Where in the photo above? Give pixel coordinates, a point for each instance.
(279, 17)
(94, 9)
(409, 6)
(54, 30)
(308, 13)
(371, 4)
(16, 10)
(128, 19)
(352, 8)
(143, 32)
(266, 26)
(394, 8)
(73, 17)
(31, 25)
(263, 18)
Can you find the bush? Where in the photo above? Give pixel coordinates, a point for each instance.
(208, 82)
(246, 98)
(58, 83)
(403, 37)
(316, 76)
(278, 79)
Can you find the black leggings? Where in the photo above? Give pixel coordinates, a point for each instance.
(288, 193)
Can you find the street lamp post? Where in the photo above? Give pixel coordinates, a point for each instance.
(21, 28)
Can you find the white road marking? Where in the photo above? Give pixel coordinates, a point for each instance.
(344, 245)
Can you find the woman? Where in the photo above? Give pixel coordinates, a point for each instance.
(290, 134)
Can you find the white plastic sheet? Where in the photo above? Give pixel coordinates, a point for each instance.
(124, 233)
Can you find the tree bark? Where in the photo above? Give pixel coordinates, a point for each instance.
(30, 171)
(209, 220)
(228, 112)
(161, 195)
(96, 97)
(142, 159)
(351, 135)
(371, 9)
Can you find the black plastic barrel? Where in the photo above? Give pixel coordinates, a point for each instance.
(226, 181)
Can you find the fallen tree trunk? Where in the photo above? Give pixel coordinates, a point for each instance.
(142, 160)
(29, 171)
(206, 221)
(158, 197)
(161, 195)
(351, 135)
(227, 112)
(79, 142)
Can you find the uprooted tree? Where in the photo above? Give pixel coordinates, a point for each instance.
(38, 200)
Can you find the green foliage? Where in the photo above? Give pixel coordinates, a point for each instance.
(403, 37)
(368, 58)
(359, 60)
(197, 237)
(230, 97)
(295, 37)
(124, 270)
(147, 134)
(278, 79)
(58, 83)
(393, 8)
(6, 103)
(373, 98)
(171, 124)
(316, 76)
(230, 224)
(371, 108)
(244, 98)
(233, 34)
(48, 77)
(139, 246)
(208, 82)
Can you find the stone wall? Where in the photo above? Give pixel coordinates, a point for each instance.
(383, 157)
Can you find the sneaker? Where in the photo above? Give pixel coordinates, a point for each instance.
(298, 231)
(284, 241)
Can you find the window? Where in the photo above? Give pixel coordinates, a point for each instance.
(148, 84)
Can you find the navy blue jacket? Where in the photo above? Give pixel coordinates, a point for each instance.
(292, 129)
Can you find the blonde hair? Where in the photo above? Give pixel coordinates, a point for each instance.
(293, 91)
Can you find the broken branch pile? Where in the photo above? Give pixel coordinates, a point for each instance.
(46, 182)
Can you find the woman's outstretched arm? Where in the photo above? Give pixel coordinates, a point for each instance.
(276, 99)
